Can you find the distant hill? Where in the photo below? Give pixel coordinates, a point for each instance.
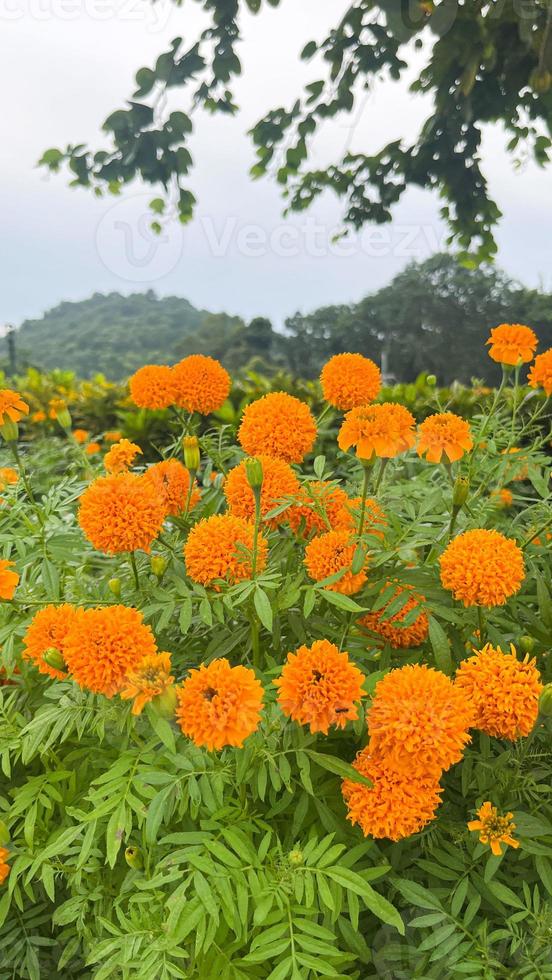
(116, 334)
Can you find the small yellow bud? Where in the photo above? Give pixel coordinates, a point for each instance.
(431, 380)
(296, 858)
(64, 418)
(114, 586)
(134, 859)
(158, 565)
(540, 80)
(54, 659)
(191, 453)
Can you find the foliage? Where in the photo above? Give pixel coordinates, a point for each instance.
(482, 63)
(433, 317)
(247, 867)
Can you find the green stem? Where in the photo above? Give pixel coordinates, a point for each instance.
(257, 497)
(383, 464)
(255, 645)
(515, 405)
(365, 482)
(327, 408)
(134, 567)
(482, 625)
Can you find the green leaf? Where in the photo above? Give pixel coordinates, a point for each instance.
(338, 766)
(375, 902)
(441, 646)
(263, 608)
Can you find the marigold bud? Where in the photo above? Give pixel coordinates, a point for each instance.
(545, 701)
(9, 430)
(191, 453)
(165, 704)
(64, 417)
(296, 858)
(254, 473)
(460, 492)
(158, 565)
(527, 643)
(431, 380)
(53, 658)
(114, 586)
(134, 859)
(540, 80)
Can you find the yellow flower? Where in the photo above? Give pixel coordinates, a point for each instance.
(494, 829)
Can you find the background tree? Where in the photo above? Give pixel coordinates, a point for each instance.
(486, 62)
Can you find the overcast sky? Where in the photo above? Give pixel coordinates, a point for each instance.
(65, 64)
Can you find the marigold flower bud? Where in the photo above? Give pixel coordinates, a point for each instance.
(165, 704)
(114, 586)
(53, 658)
(134, 859)
(254, 472)
(545, 701)
(64, 417)
(527, 643)
(431, 380)
(460, 492)
(540, 80)
(191, 453)
(158, 565)
(9, 430)
(296, 858)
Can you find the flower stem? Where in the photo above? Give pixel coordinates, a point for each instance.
(383, 464)
(257, 497)
(482, 625)
(134, 567)
(365, 481)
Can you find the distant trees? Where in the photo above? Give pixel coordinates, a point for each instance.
(434, 316)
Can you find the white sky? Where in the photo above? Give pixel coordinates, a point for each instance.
(65, 64)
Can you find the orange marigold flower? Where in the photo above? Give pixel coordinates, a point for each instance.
(319, 686)
(38, 416)
(8, 476)
(48, 630)
(444, 433)
(220, 547)
(93, 448)
(121, 456)
(321, 507)
(171, 481)
(512, 343)
(279, 482)
(12, 406)
(381, 430)
(333, 552)
(503, 497)
(418, 721)
(57, 406)
(8, 580)
(152, 386)
(390, 628)
(201, 384)
(279, 425)
(121, 512)
(104, 645)
(482, 568)
(4, 866)
(396, 805)
(80, 435)
(493, 828)
(540, 375)
(219, 705)
(147, 681)
(114, 435)
(503, 691)
(349, 380)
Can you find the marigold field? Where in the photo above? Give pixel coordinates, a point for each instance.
(276, 688)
